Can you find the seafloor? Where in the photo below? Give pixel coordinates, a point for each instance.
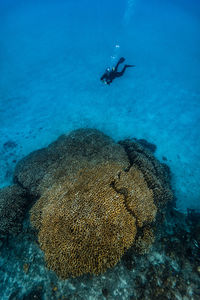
(168, 269)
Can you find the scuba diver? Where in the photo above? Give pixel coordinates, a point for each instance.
(111, 74)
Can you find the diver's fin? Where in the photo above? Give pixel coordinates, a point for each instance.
(121, 60)
(130, 66)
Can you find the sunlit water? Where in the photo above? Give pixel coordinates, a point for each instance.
(52, 54)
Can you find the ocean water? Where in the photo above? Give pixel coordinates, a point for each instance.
(52, 55)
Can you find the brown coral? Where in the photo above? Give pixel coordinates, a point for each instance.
(144, 240)
(139, 198)
(84, 225)
(68, 154)
(97, 199)
(156, 174)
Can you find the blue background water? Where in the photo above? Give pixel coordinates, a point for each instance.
(52, 54)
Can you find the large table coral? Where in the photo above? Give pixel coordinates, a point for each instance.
(95, 199)
(84, 226)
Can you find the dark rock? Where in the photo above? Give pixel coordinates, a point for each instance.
(34, 295)
(193, 216)
(127, 260)
(13, 203)
(148, 146)
(105, 292)
(9, 145)
(14, 295)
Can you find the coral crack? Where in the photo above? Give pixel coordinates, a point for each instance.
(123, 191)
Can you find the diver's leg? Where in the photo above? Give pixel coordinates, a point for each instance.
(121, 60)
(118, 74)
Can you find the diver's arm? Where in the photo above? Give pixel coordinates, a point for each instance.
(103, 76)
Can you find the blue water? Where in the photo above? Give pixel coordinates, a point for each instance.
(52, 54)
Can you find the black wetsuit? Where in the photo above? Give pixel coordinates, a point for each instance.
(109, 75)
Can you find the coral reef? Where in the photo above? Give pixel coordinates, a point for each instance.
(138, 197)
(94, 199)
(156, 174)
(170, 270)
(97, 206)
(84, 225)
(40, 169)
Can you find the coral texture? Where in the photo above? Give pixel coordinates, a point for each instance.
(94, 200)
(41, 168)
(84, 225)
(100, 203)
(156, 174)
